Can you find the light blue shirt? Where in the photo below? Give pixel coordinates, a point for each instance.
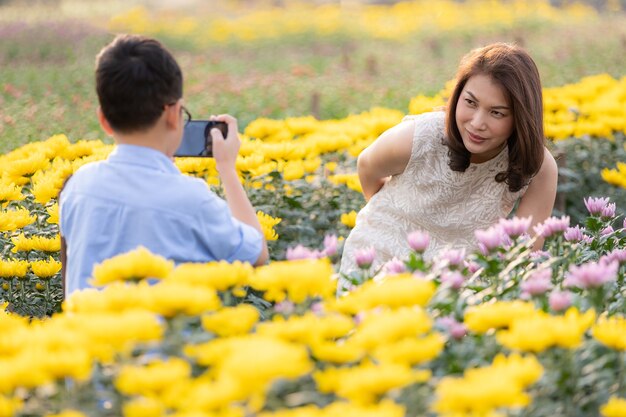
(139, 197)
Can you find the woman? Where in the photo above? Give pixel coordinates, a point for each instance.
(451, 173)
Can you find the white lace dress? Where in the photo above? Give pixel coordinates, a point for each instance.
(429, 196)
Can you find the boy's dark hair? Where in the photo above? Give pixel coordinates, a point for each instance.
(515, 71)
(136, 77)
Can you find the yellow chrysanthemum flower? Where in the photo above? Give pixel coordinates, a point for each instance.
(233, 321)
(134, 265)
(252, 362)
(249, 163)
(410, 351)
(293, 170)
(615, 407)
(336, 353)
(394, 291)
(311, 164)
(364, 384)
(46, 269)
(267, 225)
(10, 192)
(53, 213)
(195, 166)
(380, 328)
(422, 104)
(220, 276)
(615, 176)
(611, 331)
(350, 180)
(165, 298)
(13, 268)
(143, 407)
(116, 297)
(539, 331)
(483, 390)
(349, 219)
(9, 406)
(110, 334)
(15, 219)
(297, 280)
(496, 315)
(80, 149)
(169, 299)
(22, 217)
(330, 166)
(26, 167)
(307, 329)
(152, 379)
(21, 243)
(202, 397)
(45, 188)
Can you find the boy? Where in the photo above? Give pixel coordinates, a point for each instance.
(137, 196)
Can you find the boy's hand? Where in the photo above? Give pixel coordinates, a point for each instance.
(225, 151)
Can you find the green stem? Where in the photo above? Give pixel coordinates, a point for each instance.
(10, 292)
(47, 294)
(228, 299)
(22, 290)
(567, 379)
(620, 372)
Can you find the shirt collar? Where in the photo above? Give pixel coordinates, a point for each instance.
(142, 155)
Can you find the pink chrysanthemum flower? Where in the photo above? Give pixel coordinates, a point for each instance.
(552, 226)
(537, 283)
(608, 211)
(418, 240)
(491, 238)
(596, 205)
(574, 234)
(515, 227)
(452, 279)
(394, 266)
(560, 300)
(301, 252)
(591, 274)
(618, 255)
(364, 258)
(453, 257)
(330, 245)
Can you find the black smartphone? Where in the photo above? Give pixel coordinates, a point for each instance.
(197, 140)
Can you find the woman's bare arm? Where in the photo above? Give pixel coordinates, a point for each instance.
(538, 200)
(387, 156)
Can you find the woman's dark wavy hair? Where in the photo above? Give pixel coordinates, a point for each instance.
(513, 69)
(136, 77)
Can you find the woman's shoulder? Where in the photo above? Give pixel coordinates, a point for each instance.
(428, 128)
(428, 125)
(433, 117)
(428, 133)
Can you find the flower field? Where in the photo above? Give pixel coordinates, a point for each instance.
(464, 334)
(504, 331)
(398, 21)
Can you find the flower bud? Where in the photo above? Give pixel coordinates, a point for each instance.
(595, 205)
(418, 240)
(365, 257)
(560, 300)
(330, 245)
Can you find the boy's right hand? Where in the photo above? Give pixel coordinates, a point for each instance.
(225, 151)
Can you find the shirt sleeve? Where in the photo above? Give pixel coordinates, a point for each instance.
(225, 237)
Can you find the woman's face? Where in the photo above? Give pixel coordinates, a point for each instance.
(484, 117)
